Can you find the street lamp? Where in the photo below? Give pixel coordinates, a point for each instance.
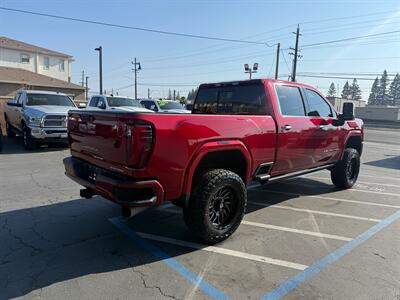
(100, 49)
(137, 67)
(247, 69)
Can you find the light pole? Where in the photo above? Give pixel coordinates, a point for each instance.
(247, 69)
(100, 49)
(137, 67)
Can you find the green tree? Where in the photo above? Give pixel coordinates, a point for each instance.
(372, 99)
(332, 90)
(394, 91)
(355, 91)
(382, 97)
(346, 91)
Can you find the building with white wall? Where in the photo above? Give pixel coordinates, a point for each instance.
(17, 54)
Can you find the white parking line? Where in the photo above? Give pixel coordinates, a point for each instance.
(335, 199)
(306, 232)
(274, 227)
(359, 175)
(378, 145)
(225, 251)
(358, 181)
(350, 190)
(317, 212)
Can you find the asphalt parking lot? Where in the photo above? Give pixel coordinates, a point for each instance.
(300, 239)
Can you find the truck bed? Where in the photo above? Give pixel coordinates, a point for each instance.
(108, 140)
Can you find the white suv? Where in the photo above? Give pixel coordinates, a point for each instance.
(110, 102)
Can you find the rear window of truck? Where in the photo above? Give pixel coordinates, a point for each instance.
(231, 100)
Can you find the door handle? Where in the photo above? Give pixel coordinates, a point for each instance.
(286, 127)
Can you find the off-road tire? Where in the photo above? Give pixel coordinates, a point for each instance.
(345, 172)
(197, 212)
(27, 139)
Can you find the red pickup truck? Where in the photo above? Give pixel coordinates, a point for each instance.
(262, 130)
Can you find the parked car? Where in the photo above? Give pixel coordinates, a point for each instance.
(39, 116)
(164, 106)
(110, 102)
(263, 130)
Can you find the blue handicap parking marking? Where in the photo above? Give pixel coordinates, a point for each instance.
(293, 282)
(207, 288)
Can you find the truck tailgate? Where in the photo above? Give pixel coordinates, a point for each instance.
(101, 135)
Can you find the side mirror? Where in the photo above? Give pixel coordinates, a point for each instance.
(347, 115)
(348, 111)
(13, 103)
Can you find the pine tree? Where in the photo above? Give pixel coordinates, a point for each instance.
(372, 99)
(169, 94)
(178, 97)
(346, 91)
(382, 97)
(355, 92)
(332, 91)
(394, 91)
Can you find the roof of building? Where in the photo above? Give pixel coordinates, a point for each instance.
(8, 43)
(21, 76)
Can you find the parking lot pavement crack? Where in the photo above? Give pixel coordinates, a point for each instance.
(21, 240)
(147, 286)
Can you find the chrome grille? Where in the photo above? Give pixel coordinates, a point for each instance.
(55, 121)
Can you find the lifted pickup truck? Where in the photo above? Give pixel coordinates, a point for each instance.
(39, 116)
(238, 132)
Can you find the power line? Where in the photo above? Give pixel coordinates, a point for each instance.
(337, 77)
(133, 27)
(351, 38)
(284, 58)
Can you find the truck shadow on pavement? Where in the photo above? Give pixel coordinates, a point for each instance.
(15, 146)
(392, 162)
(51, 244)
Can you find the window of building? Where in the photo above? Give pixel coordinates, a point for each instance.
(25, 58)
(46, 63)
(317, 106)
(61, 65)
(290, 100)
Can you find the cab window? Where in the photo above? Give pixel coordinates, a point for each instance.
(290, 100)
(317, 106)
(93, 102)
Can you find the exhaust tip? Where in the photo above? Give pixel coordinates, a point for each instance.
(86, 193)
(126, 212)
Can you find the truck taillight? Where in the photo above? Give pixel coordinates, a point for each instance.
(142, 143)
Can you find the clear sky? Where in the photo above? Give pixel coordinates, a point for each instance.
(182, 63)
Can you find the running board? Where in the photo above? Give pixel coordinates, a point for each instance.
(265, 178)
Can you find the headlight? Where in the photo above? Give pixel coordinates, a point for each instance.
(34, 121)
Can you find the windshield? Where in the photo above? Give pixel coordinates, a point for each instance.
(170, 105)
(49, 99)
(116, 102)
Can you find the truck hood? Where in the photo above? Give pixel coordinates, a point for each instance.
(132, 108)
(39, 110)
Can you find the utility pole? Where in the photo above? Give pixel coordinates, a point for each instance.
(296, 55)
(100, 49)
(136, 67)
(83, 78)
(278, 49)
(86, 88)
